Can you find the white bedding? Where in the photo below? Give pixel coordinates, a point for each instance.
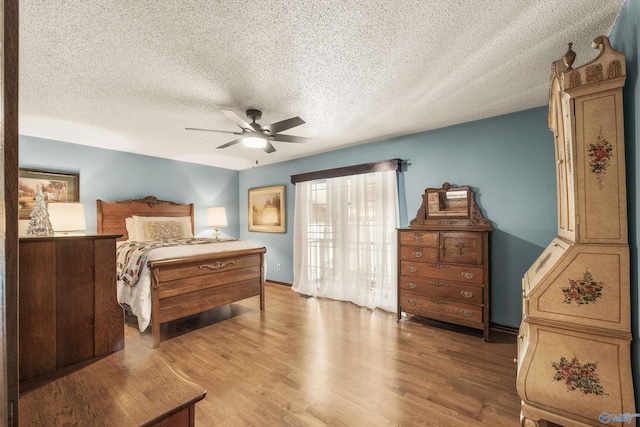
(138, 297)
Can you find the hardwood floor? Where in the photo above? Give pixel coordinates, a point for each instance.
(316, 362)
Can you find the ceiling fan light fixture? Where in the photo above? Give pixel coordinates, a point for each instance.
(254, 141)
(255, 136)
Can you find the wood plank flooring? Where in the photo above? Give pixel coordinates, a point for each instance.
(318, 362)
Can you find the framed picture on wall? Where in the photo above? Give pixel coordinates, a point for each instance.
(266, 209)
(56, 186)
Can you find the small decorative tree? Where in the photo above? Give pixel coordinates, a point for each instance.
(39, 225)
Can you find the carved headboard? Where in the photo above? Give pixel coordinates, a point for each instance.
(111, 215)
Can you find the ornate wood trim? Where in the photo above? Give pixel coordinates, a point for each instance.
(150, 201)
(473, 217)
(216, 265)
(111, 215)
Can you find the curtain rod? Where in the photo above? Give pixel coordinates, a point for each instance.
(384, 165)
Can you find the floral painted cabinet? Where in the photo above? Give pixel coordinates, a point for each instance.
(574, 366)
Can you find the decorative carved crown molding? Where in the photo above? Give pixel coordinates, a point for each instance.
(149, 200)
(472, 217)
(609, 64)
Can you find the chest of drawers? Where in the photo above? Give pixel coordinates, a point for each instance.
(444, 276)
(443, 269)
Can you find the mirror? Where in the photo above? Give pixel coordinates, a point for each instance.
(447, 207)
(451, 203)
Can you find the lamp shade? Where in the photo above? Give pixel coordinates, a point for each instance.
(217, 216)
(67, 216)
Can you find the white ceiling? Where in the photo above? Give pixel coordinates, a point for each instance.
(131, 75)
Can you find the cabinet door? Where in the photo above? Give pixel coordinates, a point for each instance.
(74, 301)
(461, 247)
(37, 309)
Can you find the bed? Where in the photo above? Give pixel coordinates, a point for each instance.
(173, 283)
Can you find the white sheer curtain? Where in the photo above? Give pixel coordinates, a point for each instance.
(344, 241)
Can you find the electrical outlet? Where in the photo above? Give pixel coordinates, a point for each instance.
(277, 266)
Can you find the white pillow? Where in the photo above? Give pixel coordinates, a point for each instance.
(131, 229)
(140, 221)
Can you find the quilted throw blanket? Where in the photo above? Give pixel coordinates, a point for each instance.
(131, 257)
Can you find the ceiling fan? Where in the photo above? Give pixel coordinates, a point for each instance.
(256, 136)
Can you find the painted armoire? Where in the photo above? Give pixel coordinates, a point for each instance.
(574, 366)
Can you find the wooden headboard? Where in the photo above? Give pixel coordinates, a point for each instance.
(111, 215)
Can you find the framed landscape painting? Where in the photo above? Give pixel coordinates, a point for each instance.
(266, 209)
(56, 187)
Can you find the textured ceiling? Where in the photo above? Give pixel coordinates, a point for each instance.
(131, 75)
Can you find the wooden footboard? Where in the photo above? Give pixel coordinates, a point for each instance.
(186, 286)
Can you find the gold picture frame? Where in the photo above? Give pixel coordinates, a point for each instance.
(56, 186)
(267, 209)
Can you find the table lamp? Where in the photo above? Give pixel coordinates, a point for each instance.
(66, 217)
(216, 218)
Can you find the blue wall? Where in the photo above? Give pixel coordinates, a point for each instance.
(113, 175)
(509, 162)
(625, 38)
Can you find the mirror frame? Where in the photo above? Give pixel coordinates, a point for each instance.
(471, 217)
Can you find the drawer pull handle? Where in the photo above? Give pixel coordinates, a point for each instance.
(466, 294)
(515, 360)
(467, 275)
(440, 266)
(411, 302)
(417, 238)
(466, 313)
(411, 285)
(417, 254)
(438, 284)
(413, 269)
(438, 301)
(520, 336)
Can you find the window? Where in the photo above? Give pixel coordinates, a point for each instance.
(345, 239)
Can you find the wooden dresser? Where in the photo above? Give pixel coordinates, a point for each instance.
(574, 366)
(443, 260)
(68, 311)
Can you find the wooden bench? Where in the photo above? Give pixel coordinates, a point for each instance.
(127, 388)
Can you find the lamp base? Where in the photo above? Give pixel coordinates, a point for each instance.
(216, 233)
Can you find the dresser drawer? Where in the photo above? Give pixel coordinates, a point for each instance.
(441, 309)
(419, 253)
(421, 238)
(438, 288)
(461, 248)
(457, 273)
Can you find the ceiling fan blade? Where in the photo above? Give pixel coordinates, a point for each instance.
(291, 138)
(237, 119)
(269, 148)
(229, 144)
(274, 128)
(214, 130)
